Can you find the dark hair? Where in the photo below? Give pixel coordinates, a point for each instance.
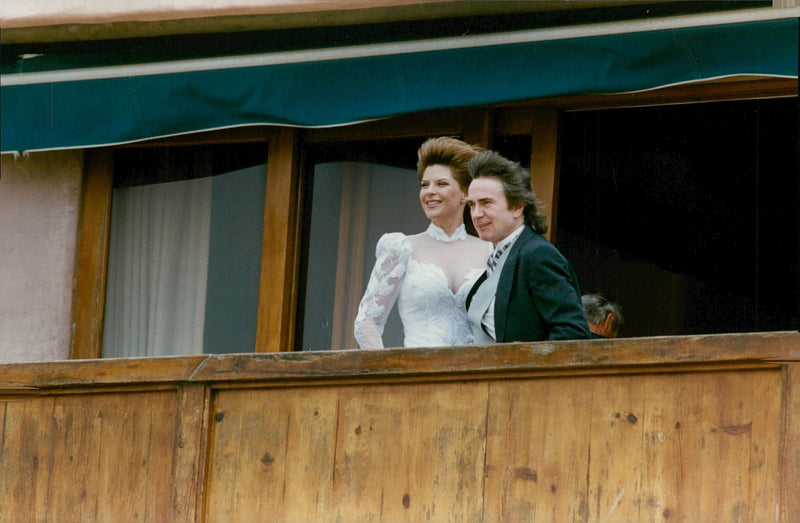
(596, 307)
(450, 152)
(516, 183)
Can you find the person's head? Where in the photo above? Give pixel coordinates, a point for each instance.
(603, 315)
(444, 178)
(500, 197)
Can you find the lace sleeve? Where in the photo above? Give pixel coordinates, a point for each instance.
(392, 253)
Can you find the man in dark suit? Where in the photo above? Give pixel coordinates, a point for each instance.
(529, 291)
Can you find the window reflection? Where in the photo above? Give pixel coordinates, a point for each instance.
(353, 204)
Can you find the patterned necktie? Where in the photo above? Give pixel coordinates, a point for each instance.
(494, 258)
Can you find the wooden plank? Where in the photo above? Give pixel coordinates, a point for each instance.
(272, 454)
(536, 458)
(278, 285)
(644, 448)
(25, 459)
(376, 453)
(478, 128)
(118, 449)
(690, 428)
(544, 165)
(790, 456)
(90, 267)
(411, 452)
(190, 447)
(632, 355)
(90, 374)
(96, 457)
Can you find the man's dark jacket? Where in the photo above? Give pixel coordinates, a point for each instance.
(538, 297)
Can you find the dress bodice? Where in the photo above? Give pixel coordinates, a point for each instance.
(432, 314)
(429, 277)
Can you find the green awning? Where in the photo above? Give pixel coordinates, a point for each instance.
(79, 108)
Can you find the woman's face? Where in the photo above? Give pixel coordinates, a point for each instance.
(440, 195)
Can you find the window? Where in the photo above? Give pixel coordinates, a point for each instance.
(185, 250)
(358, 191)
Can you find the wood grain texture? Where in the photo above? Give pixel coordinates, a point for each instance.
(790, 446)
(90, 267)
(545, 164)
(92, 457)
(633, 355)
(277, 288)
(190, 446)
(642, 448)
(399, 453)
(690, 429)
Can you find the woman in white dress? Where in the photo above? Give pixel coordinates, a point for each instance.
(428, 274)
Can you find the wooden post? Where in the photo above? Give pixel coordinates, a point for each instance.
(278, 288)
(545, 164)
(790, 439)
(90, 267)
(478, 130)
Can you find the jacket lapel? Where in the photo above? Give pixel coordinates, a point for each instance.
(505, 285)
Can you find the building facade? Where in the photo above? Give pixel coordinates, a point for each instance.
(663, 143)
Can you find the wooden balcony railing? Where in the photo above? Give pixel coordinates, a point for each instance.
(703, 428)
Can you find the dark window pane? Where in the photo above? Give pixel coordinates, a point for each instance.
(688, 213)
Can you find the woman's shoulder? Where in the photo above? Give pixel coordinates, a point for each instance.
(393, 243)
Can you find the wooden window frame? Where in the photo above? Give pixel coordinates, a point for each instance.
(277, 285)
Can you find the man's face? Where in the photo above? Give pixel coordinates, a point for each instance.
(489, 209)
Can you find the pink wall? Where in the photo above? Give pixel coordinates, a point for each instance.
(39, 203)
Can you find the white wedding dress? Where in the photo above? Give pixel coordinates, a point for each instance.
(428, 275)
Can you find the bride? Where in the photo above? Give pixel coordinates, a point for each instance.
(428, 274)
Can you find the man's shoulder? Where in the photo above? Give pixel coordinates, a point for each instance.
(530, 240)
(536, 249)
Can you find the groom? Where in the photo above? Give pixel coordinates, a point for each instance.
(529, 291)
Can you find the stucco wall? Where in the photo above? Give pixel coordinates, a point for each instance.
(39, 202)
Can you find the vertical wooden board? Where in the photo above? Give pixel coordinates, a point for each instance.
(280, 245)
(91, 263)
(545, 164)
(137, 475)
(25, 458)
(271, 455)
(635, 462)
(730, 432)
(190, 451)
(77, 438)
(617, 464)
(112, 457)
(790, 458)
(636, 448)
(538, 450)
(410, 452)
